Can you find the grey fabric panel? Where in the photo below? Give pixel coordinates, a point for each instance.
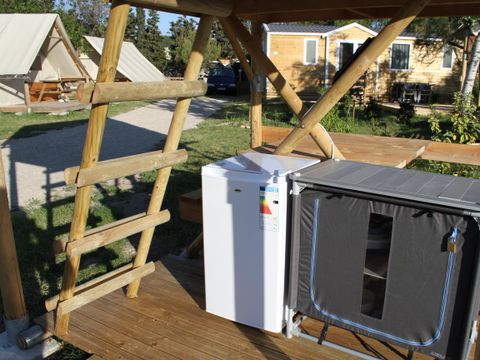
(405, 184)
(416, 274)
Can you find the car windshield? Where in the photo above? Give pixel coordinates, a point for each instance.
(221, 72)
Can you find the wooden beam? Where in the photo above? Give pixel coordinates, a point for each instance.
(356, 69)
(96, 292)
(125, 166)
(220, 8)
(347, 14)
(115, 233)
(192, 71)
(279, 82)
(60, 246)
(52, 303)
(10, 281)
(26, 91)
(133, 91)
(247, 8)
(106, 73)
(454, 153)
(237, 48)
(256, 93)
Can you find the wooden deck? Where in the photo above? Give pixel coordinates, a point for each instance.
(381, 150)
(46, 107)
(168, 321)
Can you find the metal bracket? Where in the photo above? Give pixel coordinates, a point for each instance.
(323, 334)
(297, 187)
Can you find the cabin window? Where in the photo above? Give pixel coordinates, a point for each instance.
(345, 52)
(447, 60)
(400, 57)
(311, 46)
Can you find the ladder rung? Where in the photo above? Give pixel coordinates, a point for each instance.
(220, 8)
(116, 232)
(60, 246)
(51, 303)
(101, 93)
(125, 166)
(96, 292)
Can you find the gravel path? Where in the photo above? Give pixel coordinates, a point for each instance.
(34, 166)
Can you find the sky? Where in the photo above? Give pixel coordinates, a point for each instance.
(165, 19)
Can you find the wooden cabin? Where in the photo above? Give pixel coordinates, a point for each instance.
(310, 55)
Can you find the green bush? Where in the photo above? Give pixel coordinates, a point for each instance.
(462, 127)
(406, 112)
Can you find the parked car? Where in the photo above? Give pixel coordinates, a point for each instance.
(222, 80)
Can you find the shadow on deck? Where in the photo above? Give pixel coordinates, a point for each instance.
(168, 320)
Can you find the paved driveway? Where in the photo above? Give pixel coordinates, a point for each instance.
(34, 166)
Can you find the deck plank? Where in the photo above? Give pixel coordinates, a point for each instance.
(168, 321)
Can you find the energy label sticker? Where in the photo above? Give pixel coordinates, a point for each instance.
(269, 207)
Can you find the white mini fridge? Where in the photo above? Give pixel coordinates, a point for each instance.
(245, 225)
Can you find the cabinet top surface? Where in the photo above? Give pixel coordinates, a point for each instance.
(436, 189)
(267, 164)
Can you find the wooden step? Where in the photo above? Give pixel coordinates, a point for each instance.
(51, 303)
(116, 232)
(60, 246)
(96, 292)
(102, 93)
(124, 166)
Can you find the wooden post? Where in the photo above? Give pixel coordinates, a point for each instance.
(192, 72)
(389, 33)
(238, 51)
(233, 26)
(256, 93)
(93, 139)
(26, 90)
(10, 280)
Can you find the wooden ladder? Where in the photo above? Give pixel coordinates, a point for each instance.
(91, 171)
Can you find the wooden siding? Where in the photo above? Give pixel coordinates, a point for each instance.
(287, 53)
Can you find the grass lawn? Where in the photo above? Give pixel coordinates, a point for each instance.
(223, 135)
(15, 126)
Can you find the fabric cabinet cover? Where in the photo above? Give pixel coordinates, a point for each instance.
(385, 265)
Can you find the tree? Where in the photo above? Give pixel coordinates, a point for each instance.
(91, 14)
(183, 34)
(131, 28)
(140, 38)
(154, 43)
(27, 6)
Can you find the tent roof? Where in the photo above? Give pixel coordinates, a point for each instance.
(132, 64)
(21, 38)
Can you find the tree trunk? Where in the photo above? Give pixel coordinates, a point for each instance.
(472, 67)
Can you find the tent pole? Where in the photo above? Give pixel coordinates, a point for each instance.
(26, 90)
(16, 318)
(389, 33)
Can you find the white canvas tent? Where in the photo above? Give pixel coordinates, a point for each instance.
(132, 65)
(34, 48)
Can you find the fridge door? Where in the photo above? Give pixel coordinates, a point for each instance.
(244, 247)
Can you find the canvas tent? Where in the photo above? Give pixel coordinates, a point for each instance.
(132, 66)
(34, 48)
